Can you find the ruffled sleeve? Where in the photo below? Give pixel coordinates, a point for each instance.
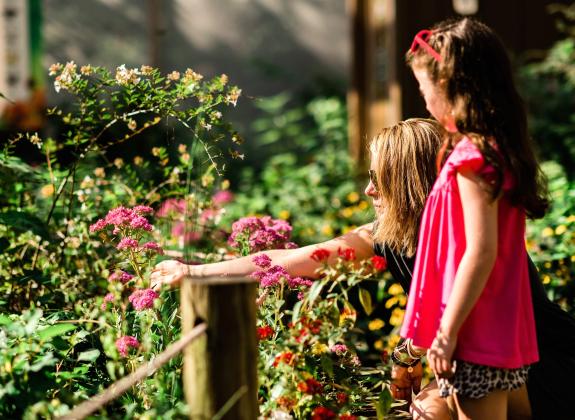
(466, 155)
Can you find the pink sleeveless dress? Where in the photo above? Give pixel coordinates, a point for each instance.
(500, 330)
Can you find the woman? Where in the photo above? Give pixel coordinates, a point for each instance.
(402, 171)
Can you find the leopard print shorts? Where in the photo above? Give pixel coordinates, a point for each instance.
(476, 381)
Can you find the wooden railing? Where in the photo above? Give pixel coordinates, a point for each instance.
(220, 353)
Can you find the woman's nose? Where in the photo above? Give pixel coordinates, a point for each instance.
(370, 190)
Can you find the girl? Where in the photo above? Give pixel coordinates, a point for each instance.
(470, 299)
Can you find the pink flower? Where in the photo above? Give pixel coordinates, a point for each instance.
(99, 225)
(143, 210)
(295, 282)
(179, 230)
(120, 275)
(273, 276)
(262, 260)
(153, 246)
(108, 298)
(291, 245)
(172, 207)
(260, 233)
(338, 349)
(222, 197)
(140, 222)
(124, 343)
(143, 299)
(120, 216)
(127, 243)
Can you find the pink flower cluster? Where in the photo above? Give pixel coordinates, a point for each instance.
(143, 299)
(261, 233)
(108, 298)
(222, 197)
(272, 275)
(124, 343)
(172, 207)
(120, 275)
(338, 349)
(122, 217)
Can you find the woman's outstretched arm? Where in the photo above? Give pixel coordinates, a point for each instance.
(297, 262)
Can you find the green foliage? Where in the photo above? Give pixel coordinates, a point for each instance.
(549, 89)
(309, 181)
(52, 189)
(551, 240)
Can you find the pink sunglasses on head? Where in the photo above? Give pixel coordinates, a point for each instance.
(420, 40)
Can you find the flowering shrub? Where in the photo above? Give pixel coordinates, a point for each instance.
(309, 364)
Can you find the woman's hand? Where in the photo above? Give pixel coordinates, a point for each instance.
(440, 354)
(404, 382)
(170, 273)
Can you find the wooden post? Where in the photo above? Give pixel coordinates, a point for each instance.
(220, 368)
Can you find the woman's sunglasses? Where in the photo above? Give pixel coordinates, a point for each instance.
(373, 179)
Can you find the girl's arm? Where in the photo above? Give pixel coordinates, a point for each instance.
(297, 261)
(480, 221)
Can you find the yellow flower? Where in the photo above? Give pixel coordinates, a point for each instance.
(572, 258)
(546, 279)
(319, 348)
(395, 289)
(376, 324)
(363, 205)
(571, 218)
(47, 190)
(393, 341)
(156, 151)
(547, 232)
(347, 229)
(138, 160)
(118, 163)
(99, 172)
(284, 214)
(182, 148)
(225, 184)
(396, 317)
(561, 229)
(347, 212)
(379, 345)
(353, 197)
(132, 125)
(327, 230)
(391, 301)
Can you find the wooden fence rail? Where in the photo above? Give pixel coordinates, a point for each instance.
(220, 353)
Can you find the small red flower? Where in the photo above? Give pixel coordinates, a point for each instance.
(322, 413)
(320, 255)
(286, 357)
(341, 398)
(347, 254)
(311, 386)
(265, 332)
(347, 417)
(379, 263)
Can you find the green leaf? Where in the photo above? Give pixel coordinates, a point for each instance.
(5, 319)
(55, 330)
(295, 312)
(314, 291)
(383, 403)
(365, 300)
(89, 355)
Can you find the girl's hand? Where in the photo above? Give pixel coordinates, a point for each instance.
(440, 354)
(170, 273)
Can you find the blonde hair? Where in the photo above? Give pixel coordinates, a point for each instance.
(405, 156)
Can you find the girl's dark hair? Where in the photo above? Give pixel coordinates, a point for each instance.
(487, 108)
